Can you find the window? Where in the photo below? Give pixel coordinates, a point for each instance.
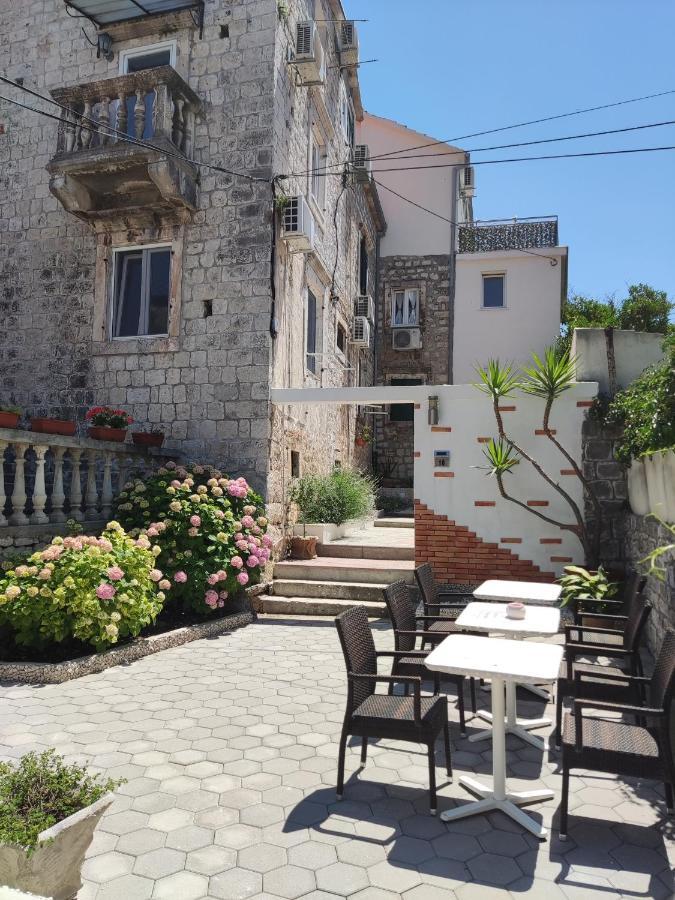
(317, 184)
(493, 291)
(403, 412)
(347, 118)
(137, 60)
(310, 343)
(341, 338)
(363, 267)
(141, 288)
(295, 464)
(405, 308)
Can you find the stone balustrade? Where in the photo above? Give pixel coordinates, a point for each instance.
(49, 478)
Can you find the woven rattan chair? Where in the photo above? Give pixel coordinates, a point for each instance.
(439, 616)
(370, 715)
(644, 750)
(620, 642)
(632, 586)
(406, 636)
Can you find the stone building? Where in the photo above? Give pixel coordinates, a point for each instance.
(182, 272)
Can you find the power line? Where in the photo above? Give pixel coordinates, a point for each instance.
(576, 112)
(552, 259)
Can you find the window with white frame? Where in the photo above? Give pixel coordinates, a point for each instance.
(138, 59)
(493, 291)
(311, 333)
(317, 178)
(405, 308)
(347, 116)
(141, 291)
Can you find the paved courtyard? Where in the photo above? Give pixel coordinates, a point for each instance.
(229, 751)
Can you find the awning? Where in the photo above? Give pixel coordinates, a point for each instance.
(109, 12)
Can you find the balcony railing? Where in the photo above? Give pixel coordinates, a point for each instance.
(508, 234)
(51, 478)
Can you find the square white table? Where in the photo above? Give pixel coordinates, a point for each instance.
(503, 661)
(539, 621)
(533, 593)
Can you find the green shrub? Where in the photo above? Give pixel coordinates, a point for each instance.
(95, 590)
(580, 584)
(210, 531)
(40, 791)
(343, 495)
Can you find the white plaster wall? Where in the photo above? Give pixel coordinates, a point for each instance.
(530, 320)
(633, 352)
(469, 413)
(410, 231)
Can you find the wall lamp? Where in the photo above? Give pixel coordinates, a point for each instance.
(104, 46)
(433, 411)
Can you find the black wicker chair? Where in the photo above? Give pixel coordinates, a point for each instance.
(370, 715)
(402, 615)
(632, 586)
(436, 623)
(644, 750)
(621, 642)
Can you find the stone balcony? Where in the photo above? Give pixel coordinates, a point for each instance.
(99, 175)
(508, 234)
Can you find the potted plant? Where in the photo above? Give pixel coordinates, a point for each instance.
(152, 438)
(9, 416)
(48, 813)
(579, 584)
(328, 503)
(364, 436)
(108, 424)
(303, 546)
(45, 425)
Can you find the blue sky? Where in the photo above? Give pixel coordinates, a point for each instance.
(453, 67)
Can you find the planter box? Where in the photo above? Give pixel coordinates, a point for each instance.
(43, 425)
(322, 531)
(54, 867)
(656, 487)
(147, 439)
(637, 488)
(103, 433)
(9, 419)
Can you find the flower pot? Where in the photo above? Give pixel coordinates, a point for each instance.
(53, 869)
(103, 433)
(52, 426)
(9, 419)
(669, 481)
(303, 547)
(637, 488)
(147, 438)
(656, 487)
(361, 442)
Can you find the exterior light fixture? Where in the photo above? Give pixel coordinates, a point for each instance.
(433, 411)
(104, 46)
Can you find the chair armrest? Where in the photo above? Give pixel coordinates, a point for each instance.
(590, 629)
(580, 704)
(414, 680)
(398, 654)
(423, 634)
(609, 619)
(432, 618)
(608, 676)
(578, 649)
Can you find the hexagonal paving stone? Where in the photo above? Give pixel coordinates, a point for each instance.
(261, 858)
(159, 863)
(216, 817)
(170, 819)
(393, 878)
(211, 860)
(237, 836)
(107, 866)
(186, 885)
(237, 883)
(191, 837)
(342, 878)
(261, 814)
(289, 882)
(123, 822)
(136, 843)
(492, 868)
(312, 855)
(130, 887)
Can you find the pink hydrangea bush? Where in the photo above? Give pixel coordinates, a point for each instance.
(211, 530)
(98, 590)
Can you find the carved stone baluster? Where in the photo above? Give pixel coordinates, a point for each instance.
(139, 114)
(19, 497)
(178, 132)
(162, 112)
(91, 495)
(3, 499)
(76, 485)
(189, 130)
(67, 135)
(86, 126)
(107, 492)
(121, 122)
(104, 119)
(39, 516)
(58, 496)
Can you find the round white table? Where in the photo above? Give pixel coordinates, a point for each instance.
(504, 662)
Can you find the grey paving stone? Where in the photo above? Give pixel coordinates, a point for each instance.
(158, 863)
(211, 860)
(129, 887)
(261, 858)
(186, 885)
(492, 868)
(289, 882)
(342, 878)
(237, 884)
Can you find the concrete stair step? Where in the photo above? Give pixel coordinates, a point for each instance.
(328, 590)
(363, 551)
(394, 522)
(315, 606)
(330, 568)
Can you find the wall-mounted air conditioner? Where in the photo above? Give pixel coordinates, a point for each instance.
(349, 44)
(407, 339)
(363, 306)
(363, 166)
(467, 184)
(360, 333)
(297, 224)
(309, 59)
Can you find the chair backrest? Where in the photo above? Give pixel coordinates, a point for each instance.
(358, 648)
(662, 684)
(632, 586)
(637, 614)
(424, 576)
(401, 613)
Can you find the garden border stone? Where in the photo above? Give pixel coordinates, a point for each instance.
(56, 673)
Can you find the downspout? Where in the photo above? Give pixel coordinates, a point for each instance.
(452, 273)
(274, 325)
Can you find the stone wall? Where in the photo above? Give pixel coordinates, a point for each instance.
(608, 479)
(640, 536)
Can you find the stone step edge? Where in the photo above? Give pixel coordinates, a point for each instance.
(314, 606)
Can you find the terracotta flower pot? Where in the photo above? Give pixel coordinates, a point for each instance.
(303, 547)
(361, 442)
(147, 439)
(103, 433)
(44, 425)
(9, 419)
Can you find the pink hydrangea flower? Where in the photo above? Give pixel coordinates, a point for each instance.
(193, 532)
(267, 540)
(223, 595)
(256, 529)
(247, 522)
(195, 521)
(45, 574)
(222, 575)
(240, 536)
(242, 545)
(237, 562)
(221, 603)
(114, 573)
(105, 591)
(213, 578)
(211, 599)
(165, 584)
(155, 575)
(252, 562)
(242, 578)
(152, 531)
(180, 577)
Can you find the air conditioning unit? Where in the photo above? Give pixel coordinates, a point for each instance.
(467, 184)
(309, 59)
(407, 339)
(363, 166)
(363, 306)
(360, 336)
(297, 224)
(349, 44)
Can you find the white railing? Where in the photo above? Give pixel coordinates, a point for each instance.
(48, 478)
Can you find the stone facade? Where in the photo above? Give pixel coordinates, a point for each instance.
(431, 275)
(608, 479)
(206, 384)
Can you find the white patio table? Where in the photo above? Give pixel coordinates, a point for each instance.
(503, 661)
(539, 621)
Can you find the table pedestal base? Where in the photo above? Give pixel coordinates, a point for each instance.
(519, 727)
(509, 805)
